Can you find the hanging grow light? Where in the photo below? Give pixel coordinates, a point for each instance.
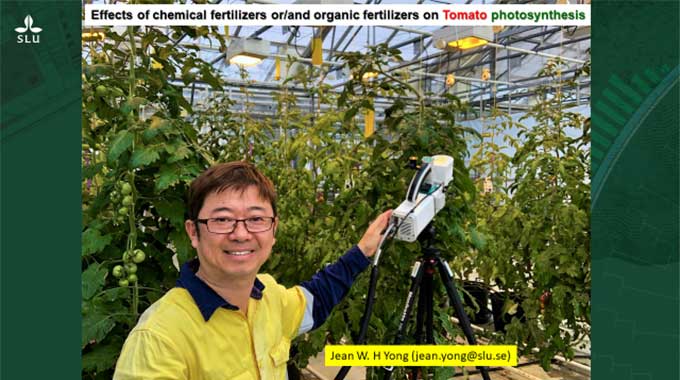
(368, 75)
(247, 51)
(93, 34)
(462, 37)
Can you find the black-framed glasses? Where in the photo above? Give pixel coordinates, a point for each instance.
(228, 225)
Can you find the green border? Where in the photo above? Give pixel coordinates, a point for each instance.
(635, 190)
(40, 193)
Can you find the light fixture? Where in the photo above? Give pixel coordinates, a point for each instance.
(462, 37)
(247, 51)
(368, 75)
(93, 34)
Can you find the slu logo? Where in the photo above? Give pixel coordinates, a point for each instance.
(25, 38)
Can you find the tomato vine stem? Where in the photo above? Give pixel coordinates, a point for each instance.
(132, 237)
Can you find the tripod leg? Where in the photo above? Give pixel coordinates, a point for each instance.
(428, 292)
(429, 303)
(447, 278)
(365, 320)
(416, 278)
(420, 316)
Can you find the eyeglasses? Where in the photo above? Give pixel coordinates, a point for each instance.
(228, 225)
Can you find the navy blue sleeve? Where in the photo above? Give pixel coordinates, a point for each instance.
(331, 284)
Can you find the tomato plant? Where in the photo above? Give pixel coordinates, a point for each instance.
(138, 157)
(142, 147)
(537, 221)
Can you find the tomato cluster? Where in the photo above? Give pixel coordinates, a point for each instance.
(122, 194)
(127, 273)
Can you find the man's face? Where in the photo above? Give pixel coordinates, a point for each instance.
(237, 255)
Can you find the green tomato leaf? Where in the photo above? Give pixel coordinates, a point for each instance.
(182, 245)
(144, 156)
(101, 358)
(95, 327)
(150, 133)
(188, 65)
(172, 210)
(209, 78)
(90, 171)
(184, 103)
(478, 239)
(181, 152)
(92, 280)
(93, 241)
(136, 102)
(114, 294)
(158, 122)
(120, 143)
(349, 115)
(168, 176)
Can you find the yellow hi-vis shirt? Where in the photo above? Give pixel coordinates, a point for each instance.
(192, 333)
(173, 340)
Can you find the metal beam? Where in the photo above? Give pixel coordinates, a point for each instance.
(518, 86)
(340, 41)
(481, 63)
(508, 97)
(534, 52)
(259, 31)
(473, 65)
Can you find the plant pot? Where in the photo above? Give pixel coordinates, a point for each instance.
(500, 319)
(480, 294)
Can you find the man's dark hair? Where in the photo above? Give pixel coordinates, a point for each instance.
(235, 175)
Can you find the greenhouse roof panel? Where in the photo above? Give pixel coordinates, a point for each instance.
(517, 66)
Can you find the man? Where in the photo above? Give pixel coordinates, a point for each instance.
(223, 320)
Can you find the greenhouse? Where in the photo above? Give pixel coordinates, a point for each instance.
(486, 126)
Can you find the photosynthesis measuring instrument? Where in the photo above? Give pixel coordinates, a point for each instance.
(412, 221)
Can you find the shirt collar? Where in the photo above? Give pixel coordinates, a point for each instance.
(205, 297)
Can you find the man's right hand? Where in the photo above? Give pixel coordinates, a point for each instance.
(369, 242)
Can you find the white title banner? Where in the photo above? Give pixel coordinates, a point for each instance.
(328, 15)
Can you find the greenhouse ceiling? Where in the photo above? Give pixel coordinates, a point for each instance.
(514, 59)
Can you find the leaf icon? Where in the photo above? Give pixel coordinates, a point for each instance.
(26, 20)
(30, 25)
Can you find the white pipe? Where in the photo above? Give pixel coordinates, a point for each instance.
(308, 60)
(402, 29)
(546, 55)
(468, 79)
(493, 44)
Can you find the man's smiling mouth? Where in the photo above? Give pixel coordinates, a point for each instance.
(239, 253)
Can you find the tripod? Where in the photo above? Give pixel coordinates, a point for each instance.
(422, 277)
